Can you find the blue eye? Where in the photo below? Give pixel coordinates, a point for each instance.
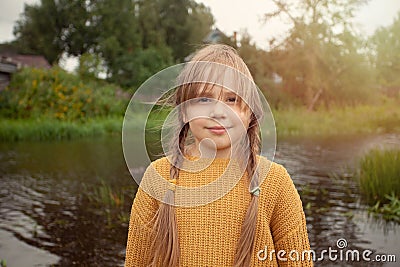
(204, 100)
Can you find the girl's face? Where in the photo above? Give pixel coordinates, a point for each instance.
(217, 121)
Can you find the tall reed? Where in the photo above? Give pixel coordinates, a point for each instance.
(379, 175)
(41, 129)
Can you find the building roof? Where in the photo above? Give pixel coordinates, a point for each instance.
(24, 60)
(215, 36)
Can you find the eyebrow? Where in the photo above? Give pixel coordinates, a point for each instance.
(229, 94)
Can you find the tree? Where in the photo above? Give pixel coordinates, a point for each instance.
(262, 69)
(150, 60)
(257, 60)
(178, 24)
(90, 66)
(386, 47)
(52, 28)
(39, 29)
(200, 22)
(321, 59)
(119, 33)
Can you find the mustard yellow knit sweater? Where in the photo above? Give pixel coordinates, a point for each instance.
(208, 234)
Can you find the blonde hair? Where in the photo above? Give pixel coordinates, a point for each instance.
(165, 245)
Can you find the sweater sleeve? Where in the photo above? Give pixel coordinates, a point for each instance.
(288, 225)
(143, 210)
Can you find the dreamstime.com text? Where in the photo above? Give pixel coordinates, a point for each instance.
(338, 254)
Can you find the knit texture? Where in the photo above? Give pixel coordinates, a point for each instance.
(208, 234)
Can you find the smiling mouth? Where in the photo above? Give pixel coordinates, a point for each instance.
(218, 129)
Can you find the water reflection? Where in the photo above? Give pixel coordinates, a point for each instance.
(45, 208)
(43, 204)
(321, 169)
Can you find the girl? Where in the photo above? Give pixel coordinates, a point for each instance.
(213, 201)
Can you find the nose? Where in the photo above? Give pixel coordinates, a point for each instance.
(218, 110)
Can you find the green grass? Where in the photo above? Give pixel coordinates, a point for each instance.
(52, 129)
(379, 174)
(105, 196)
(111, 202)
(297, 121)
(361, 119)
(379, 180)
(44, 128)
(389, 211)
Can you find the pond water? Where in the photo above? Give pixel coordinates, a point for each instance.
(47, 216)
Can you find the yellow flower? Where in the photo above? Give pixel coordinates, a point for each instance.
(58, 87)
(61, 95)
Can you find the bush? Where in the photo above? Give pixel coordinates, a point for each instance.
(54, 93)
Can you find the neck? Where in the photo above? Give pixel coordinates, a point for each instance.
(202, 151)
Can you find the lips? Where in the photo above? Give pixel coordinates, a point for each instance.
(218, 129)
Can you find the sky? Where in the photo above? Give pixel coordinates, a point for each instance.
(236, 15)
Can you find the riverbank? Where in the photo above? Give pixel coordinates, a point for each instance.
(42, 129)
(361, 119)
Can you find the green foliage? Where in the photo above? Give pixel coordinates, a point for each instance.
(104, 196)
(263, 71)
(389, 211)
(257, 60)
(338, 120)
(199, 24)
(90, 66)
(44, 129)
(135, 68)
(378, 176)
(130, 39)
(184, 25)
(386, 46)
(320, 61)
(111, 202)
(36, 31)
(57, 94)
(117, 34)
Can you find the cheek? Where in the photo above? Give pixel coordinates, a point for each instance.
(196, 111)
(197, 123)
(243, 117)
